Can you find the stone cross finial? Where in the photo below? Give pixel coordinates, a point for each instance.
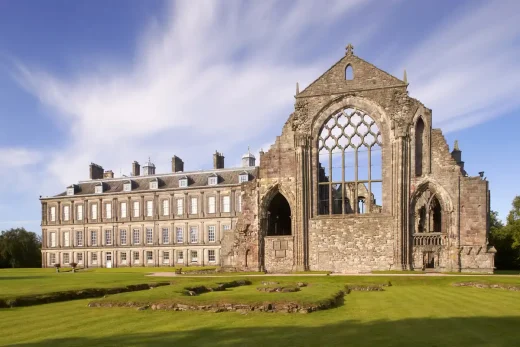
(350, 49)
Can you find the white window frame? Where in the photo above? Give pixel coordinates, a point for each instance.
(66, 212)
(52, 239)
(243, 178)
(66, 239)
(180, 256)
(149, 208)
(52, 258)
(98, 189)
(123, 257)
(108, 237)
(127, 187)
(212, 254)
(212, 180)
(93, 238)
(226, 204)
(79, 256)
(154, 185)
(53, 214)
(79, 212)
(166, 257)
(165, 236)
(212, 233)
(70, 191)
(179, 231)
(136, 236)
(166, 207)
(135, 209)
(149, 236)
(66, 258)
(93, 257)
(194, 234)
(180, 207)
(123, 237)
(212, 203)
(108, 210)
(93, 211)
(79, 238)
(149, 257)
(194, 205)
(226, 227)
(123, 209)
(183, 183)
(194, 259)
(135, 257)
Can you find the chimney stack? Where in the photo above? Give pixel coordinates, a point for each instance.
(108, 174)
(136, 169)
(218, 160)
(96, 171)
(177, 164)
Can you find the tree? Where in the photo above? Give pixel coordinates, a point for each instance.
(20, 248)
(506, 239)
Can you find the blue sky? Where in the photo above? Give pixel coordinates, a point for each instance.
(115, 81)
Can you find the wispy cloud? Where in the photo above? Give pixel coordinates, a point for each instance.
(19, 157)
(215, 74)
(467, 69)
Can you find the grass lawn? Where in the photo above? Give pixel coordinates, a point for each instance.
(17, 282)
(415, 311)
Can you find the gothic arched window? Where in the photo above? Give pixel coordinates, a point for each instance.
(419, 144)
(349, 73)
(350, 164)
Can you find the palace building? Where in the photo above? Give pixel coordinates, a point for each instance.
(357, 181)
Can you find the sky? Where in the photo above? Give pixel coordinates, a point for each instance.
(111, 82)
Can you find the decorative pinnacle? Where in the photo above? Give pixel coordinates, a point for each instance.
(350, 49)
(297, 88)
(456, 146)
(405, 78)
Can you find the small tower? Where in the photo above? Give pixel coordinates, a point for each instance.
(148, 168)
(457, 154)
(248, 159)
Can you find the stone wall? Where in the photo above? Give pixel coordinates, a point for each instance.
(356, 244)
(279, 254)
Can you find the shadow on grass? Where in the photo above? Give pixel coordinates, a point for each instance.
(474, 331)
(21, 277)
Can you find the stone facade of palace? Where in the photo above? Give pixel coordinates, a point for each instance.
(357, 181)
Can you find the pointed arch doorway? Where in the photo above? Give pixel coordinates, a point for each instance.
(279, 217)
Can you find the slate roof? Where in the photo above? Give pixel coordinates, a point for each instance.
(166, 181)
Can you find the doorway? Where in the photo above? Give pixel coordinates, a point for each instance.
(109, 260)
(279, 217)
(429, 260)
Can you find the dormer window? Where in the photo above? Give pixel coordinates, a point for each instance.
(127, 186)
(99, 188)
(154, 184)
(243, 177)
(71, 190)
(213, 180)
(183, 182)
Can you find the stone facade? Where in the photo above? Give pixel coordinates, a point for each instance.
(357, 181)
(145, 225)
(415, 162)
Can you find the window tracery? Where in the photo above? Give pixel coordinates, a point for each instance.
(350, 164)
